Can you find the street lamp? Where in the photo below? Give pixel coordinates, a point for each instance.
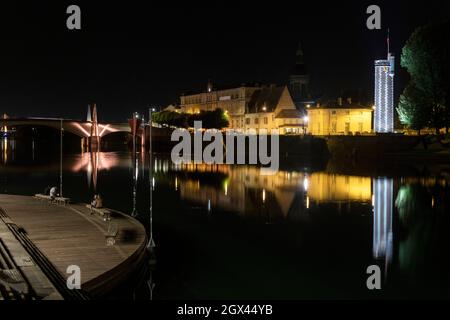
(151, 243)
(305, 122)
(60, 158)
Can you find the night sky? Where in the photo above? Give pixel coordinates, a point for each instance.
(131, 55)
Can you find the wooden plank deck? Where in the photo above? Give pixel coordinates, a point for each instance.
(70, 235)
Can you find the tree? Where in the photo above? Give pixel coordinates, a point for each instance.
(413, 108)
(170, 118)
(426, 57)
(216, 119)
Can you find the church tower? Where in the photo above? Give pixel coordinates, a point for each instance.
(299, 81)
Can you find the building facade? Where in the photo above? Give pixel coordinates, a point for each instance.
(249, 107)
(384, 95)
(233, 100)
(339, 119)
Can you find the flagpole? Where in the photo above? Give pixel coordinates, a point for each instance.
(388, 44)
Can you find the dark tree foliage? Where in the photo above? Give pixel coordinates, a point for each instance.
(170, 118)
(216, 119)
(413, 108)
(426, 56)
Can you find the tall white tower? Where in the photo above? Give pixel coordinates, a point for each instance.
(384, 94)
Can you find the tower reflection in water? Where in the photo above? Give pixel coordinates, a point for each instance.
(94, 162)
(383, 189)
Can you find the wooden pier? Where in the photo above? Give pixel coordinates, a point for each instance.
(71, 235)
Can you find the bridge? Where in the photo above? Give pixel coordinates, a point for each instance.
(90, 131)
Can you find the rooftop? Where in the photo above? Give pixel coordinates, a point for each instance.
(223, 87)
(267, 97)
(342, 104)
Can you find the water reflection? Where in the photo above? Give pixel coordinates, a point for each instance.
(8, 147)
(399, 223)
(287, 193)
(383, 189)
(92, 163)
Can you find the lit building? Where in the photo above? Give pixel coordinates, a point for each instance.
(233, 100)
(384, 95)
(249, 107)
(339, 118)
(272, 108)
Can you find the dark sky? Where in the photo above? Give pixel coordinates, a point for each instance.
(130, 55)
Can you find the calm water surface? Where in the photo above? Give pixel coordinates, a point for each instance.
(309, 231)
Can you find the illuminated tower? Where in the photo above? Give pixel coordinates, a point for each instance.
(384, 94)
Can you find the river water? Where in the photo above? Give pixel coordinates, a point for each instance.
(309, 231)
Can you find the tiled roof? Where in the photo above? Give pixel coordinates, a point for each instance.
(265, 97)
(344, 105)
(289, 113)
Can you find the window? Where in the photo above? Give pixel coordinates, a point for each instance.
(265, 120)
(333, 112)
(247, 121)
(256, 121)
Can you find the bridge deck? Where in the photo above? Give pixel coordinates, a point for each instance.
(70, 235)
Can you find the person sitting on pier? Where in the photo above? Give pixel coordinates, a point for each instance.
(97, 202)
(53, 193)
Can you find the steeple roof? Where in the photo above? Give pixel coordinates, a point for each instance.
(300, 67)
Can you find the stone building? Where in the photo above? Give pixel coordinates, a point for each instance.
(340, 118)
(249, 107)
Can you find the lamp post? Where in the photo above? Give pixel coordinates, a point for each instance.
(135, 122)
(60, 158)
(151, 243)
(305, 123)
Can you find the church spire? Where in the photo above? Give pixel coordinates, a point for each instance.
(299, 55)
(300, 67)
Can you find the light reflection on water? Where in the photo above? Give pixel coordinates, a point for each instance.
(326, 217)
